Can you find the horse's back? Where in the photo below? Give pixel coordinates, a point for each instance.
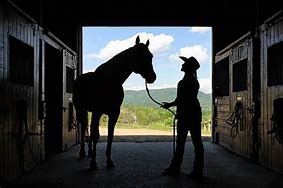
(92, 92)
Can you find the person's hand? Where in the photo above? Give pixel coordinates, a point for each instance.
(165, 105)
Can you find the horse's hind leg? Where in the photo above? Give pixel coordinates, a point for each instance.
(89, 153)
(111, 125)
(94, 136)
(82, 117)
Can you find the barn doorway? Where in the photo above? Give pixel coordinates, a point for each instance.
(140, 116)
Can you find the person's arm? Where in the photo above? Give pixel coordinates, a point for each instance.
(169, 104)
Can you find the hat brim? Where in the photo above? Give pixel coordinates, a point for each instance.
(183, 58)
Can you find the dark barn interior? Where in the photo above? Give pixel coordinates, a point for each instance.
(41, 54)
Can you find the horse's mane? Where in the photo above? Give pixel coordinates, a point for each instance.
(115, 62)
(124, 52)
(120, 55)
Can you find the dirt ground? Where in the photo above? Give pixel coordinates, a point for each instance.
(103, 132)
(139, 165)
(143, 135)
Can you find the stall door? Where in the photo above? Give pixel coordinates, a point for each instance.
(242, 107)
(70, 131)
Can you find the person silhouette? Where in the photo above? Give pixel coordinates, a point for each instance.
(189, 117)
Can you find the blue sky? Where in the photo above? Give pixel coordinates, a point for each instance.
(166, 45)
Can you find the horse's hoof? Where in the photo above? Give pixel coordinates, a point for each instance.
(91, 168)
(93, 165)
(110, 164)
(89, 154)
(82, 154)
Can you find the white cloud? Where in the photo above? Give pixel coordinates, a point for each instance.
(205, 85)
(200, 29)
(158, 43)
(197, 51)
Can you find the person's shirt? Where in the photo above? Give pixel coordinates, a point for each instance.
(187, 92)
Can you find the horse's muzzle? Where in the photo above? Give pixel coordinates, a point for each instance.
(151, 78)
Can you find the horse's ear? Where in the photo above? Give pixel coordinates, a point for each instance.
(137, 40)
(147, 42)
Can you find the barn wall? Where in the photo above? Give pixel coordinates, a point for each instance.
(67, 123)
(252, 139)
(22, 92)
(2, 91)
(20, 137)
(271, 150)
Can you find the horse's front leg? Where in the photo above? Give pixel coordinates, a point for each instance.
(111, 125)
(94, 136)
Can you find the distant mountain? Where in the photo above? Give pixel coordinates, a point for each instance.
(161, 95)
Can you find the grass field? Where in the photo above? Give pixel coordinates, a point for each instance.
(151, 127)
(140, 117)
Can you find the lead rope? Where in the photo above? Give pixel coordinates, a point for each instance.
(174, 125)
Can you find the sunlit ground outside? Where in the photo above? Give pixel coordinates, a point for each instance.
(148, 126)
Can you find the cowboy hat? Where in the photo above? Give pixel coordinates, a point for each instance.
(190, 63)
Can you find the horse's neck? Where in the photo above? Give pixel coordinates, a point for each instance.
(117, 69)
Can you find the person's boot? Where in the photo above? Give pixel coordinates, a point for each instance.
(171, 171)
(198, 176)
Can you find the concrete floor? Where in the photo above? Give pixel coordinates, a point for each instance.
(139, 164)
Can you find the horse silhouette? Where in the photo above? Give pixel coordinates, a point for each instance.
(101, 92)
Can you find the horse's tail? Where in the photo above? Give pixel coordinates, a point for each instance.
(76, 92)
(79, 87)
(80, 96)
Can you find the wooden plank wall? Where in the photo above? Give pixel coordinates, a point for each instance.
(69, 134)
(242, 143)
(223, 129)
(243, 140)
(15, 23)
(223, 111)
(271, 153)
(16, 26)
(2, 91)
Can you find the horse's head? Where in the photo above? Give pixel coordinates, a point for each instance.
(142, 58)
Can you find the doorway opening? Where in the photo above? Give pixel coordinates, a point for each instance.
(139, 115)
